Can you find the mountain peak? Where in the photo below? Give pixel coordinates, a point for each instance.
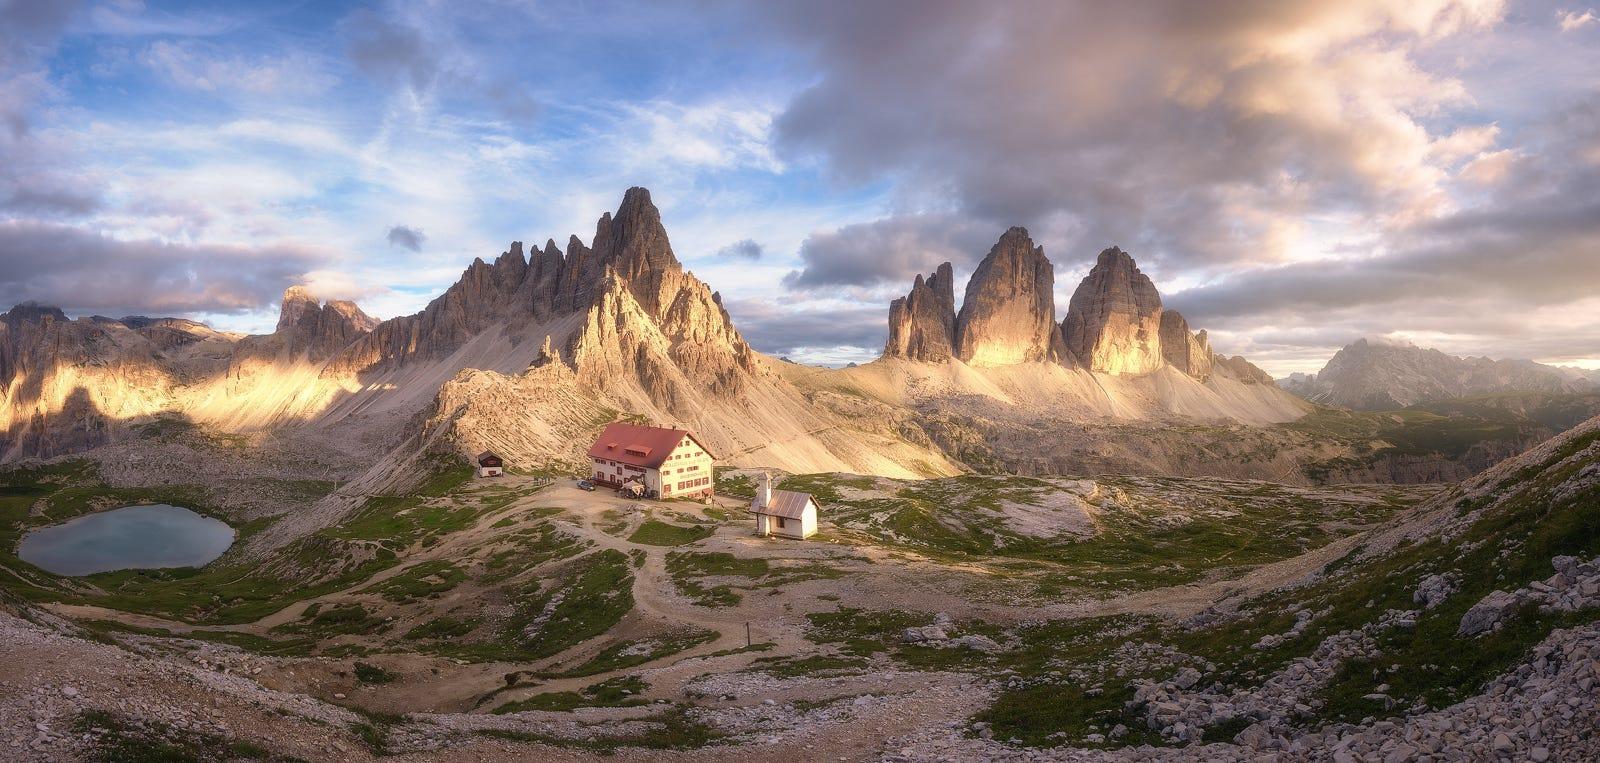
(1113, 322)
(1008, 315)
(297, 301)
(1113, 256)
(308, 324)
(33, 312)
(922, 324)
(1378, 373)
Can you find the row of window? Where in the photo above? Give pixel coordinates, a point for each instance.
(690, 468)
(689, 484)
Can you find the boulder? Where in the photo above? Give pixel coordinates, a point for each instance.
(978, 643)
(1487, 613)
(1433, 590)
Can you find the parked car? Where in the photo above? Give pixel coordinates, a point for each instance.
(586, 485)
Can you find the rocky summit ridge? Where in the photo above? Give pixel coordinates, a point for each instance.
(617, 324)
(1380, 375)
(1115, 322)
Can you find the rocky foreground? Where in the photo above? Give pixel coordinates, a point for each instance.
(65, 698)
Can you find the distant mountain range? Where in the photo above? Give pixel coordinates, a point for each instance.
(530, 353)
(1374, 376)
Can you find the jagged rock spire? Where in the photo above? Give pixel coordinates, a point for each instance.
(1113, 322)
(922, 324)
(1187, 352)
(315, 328)
(1008, 314)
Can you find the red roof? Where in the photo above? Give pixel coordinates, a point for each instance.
(639, 446)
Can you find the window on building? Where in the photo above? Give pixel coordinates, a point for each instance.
(780, 521)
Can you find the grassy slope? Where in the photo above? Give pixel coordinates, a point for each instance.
(1067, 679)
(222, 592)
(1223, 525)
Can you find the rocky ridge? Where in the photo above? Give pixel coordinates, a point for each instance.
(1115, 322)
(1373, 375)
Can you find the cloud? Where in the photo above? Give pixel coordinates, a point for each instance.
(406, 237)
(199, 66)
(1571, 21)
(712, 134)
(393, 51)
(888, 251)
(87, 272)
(776, 330)
(744, 249)
(32, 180)
(1511, 277)
(1201, 136)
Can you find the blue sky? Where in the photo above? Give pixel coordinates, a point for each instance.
(1293, 174)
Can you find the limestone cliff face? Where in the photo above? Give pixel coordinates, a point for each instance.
(1113, 322)
(922, 324)
(1008, 314)
(311, 328)
(1187, 352)
(66, 385)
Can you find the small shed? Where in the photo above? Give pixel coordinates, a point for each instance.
(490, 464)
(783, 512)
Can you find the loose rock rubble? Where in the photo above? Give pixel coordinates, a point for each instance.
(938, 635)
(1302, 619)
(1545, 710)
(1182, 715)
(1575, 586)
(1433, 590)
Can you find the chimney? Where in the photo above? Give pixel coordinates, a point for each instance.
(764, 491)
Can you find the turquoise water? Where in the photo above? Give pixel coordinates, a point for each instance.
(131, 538)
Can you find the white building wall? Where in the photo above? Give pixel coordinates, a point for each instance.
(802, 528)
(686, 463)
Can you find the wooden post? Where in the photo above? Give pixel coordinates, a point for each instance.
(747, 633)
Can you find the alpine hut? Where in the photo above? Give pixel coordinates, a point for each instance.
(669, 462)
(783, 512)
(489, 464)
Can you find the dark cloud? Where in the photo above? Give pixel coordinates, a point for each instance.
(406, 237)
(86, 272)
(37, 198)
(393, 51)
(775, 330)
(889, 251)
(744, 249)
